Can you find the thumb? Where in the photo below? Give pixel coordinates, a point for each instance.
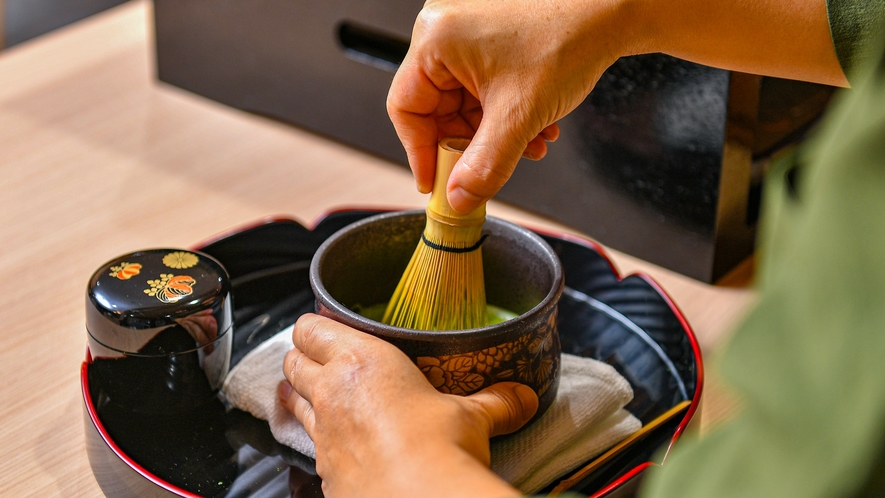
(505, 406)
(489, 160)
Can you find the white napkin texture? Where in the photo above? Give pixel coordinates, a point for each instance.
(585, 419)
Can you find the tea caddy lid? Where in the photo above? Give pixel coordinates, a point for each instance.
(134, 298)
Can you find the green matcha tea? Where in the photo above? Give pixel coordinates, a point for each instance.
(494, 314)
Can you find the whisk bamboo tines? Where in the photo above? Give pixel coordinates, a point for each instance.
(443, 287)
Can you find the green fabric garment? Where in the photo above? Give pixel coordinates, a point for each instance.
(854, 24)
(809, 360)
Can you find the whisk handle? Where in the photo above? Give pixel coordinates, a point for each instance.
(450, 150)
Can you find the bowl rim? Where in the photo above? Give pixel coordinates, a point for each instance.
(499, 330)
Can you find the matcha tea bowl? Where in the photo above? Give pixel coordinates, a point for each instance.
(354, 273)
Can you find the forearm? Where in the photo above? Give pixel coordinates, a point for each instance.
(783, 38)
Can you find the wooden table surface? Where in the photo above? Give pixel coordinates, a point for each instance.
(98, 159)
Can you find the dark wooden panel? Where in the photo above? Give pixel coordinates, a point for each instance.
(661, 161)
(25, 19)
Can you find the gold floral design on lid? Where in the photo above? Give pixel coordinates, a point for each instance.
(180, 260)
(171, 288)
(125, 271)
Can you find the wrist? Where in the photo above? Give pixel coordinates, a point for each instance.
(451, 471)
(637, 26)
(605, 30)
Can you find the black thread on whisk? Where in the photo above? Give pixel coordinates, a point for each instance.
(457, 250)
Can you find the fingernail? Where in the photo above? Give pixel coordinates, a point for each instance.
(422, 188)
(283, 390)
(462, 200)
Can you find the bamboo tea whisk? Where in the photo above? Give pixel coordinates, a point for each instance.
(443, 287)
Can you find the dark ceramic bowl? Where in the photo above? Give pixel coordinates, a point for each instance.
(361, 265)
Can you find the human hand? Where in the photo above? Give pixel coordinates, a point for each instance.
(502, 72)
(379, 427)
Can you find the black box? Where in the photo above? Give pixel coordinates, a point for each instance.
(664, 160)
(21, 20)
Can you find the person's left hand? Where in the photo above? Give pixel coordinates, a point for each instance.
(381, 429)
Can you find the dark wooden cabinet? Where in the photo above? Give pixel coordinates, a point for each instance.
(664, 160)
(25, 19)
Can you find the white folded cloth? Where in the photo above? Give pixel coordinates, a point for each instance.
(251, 386)
(585, 419)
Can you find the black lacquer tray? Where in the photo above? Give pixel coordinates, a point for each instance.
(629, 323)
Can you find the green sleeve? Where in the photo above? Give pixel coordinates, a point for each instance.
(853, 25)
(809, 360)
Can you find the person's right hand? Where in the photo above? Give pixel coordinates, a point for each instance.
(502, 72)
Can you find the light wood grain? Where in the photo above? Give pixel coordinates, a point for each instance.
(99, 159)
